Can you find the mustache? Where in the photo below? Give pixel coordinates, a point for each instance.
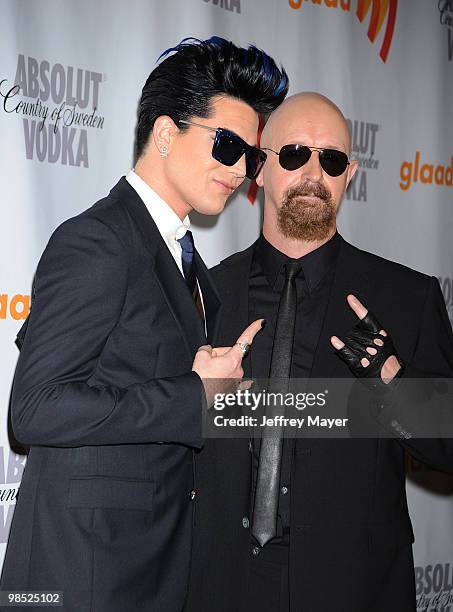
(318, 190)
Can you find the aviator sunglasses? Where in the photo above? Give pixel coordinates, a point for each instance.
(228, 148)
(294, 156)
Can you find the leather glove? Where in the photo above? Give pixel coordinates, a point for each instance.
(361, 336)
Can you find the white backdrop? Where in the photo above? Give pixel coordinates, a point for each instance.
(386, 63)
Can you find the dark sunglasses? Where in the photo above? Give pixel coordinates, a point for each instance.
(294, 156)
(228, 148)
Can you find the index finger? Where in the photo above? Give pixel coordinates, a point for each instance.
(357, 306)
(250, 332)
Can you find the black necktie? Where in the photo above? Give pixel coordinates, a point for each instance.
(264, 525)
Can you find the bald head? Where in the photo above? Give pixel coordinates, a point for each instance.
(302, 197)
(311, 112)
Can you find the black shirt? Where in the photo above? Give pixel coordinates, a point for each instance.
(313, 287)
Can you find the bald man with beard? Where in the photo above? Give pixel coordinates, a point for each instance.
(342, 536)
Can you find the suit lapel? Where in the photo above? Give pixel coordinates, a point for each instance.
(179, 299)
(350, 277)
(168, 275)
(233, 279)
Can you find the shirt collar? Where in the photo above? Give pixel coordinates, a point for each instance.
(168, 223)
(315, 265)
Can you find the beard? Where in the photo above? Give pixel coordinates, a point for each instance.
(309, 220)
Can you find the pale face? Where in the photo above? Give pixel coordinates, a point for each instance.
(314, 124)
(194, 180)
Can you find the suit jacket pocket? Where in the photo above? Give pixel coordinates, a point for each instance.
(110, 493)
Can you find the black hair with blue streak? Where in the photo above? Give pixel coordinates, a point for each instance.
(192, 73)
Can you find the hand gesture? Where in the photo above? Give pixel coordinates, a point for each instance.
(220, 368)
(367, 348)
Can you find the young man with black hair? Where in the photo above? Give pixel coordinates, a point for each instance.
(115, 369)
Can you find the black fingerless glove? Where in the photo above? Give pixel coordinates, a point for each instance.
(361, 336)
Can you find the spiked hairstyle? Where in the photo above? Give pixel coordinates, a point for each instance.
(195, 71)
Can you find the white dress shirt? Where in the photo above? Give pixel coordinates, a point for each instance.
(170, 226)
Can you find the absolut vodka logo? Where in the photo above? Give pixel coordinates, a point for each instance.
(11, 470)
(229, 5)
(446, 19)
(434, 587)
(364, 141)
(58, 106)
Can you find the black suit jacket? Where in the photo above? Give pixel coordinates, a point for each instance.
(105, 397)
(350, 544)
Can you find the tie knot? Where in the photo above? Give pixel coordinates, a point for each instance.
(292, 269)
(186, 242)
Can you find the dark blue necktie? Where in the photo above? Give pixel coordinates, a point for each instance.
(188, 265)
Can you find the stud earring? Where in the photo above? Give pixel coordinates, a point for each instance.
(163, 151)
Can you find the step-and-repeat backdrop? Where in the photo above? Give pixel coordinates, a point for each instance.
(70, 78)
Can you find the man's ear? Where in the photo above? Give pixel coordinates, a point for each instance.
(352, 169)
(164, 131)
(259, 178)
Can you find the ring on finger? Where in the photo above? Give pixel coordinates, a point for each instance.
(245, 347)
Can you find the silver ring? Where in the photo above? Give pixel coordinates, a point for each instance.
(245, 347)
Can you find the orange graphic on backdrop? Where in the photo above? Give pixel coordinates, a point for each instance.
(382, 9)
(15, 306)
(427, 173)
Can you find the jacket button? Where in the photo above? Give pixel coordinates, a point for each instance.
(255, 551)
(192, 495)
(245, 522)
(284, 490)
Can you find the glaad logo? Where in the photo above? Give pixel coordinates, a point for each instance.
(428, 174)
(343, 4)
(446, 19)
(229, 5)
(382, 10)
(434, 587)
(446, 284)
(11, 470)
(363, 138)
(15, 306)
(63, 102)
